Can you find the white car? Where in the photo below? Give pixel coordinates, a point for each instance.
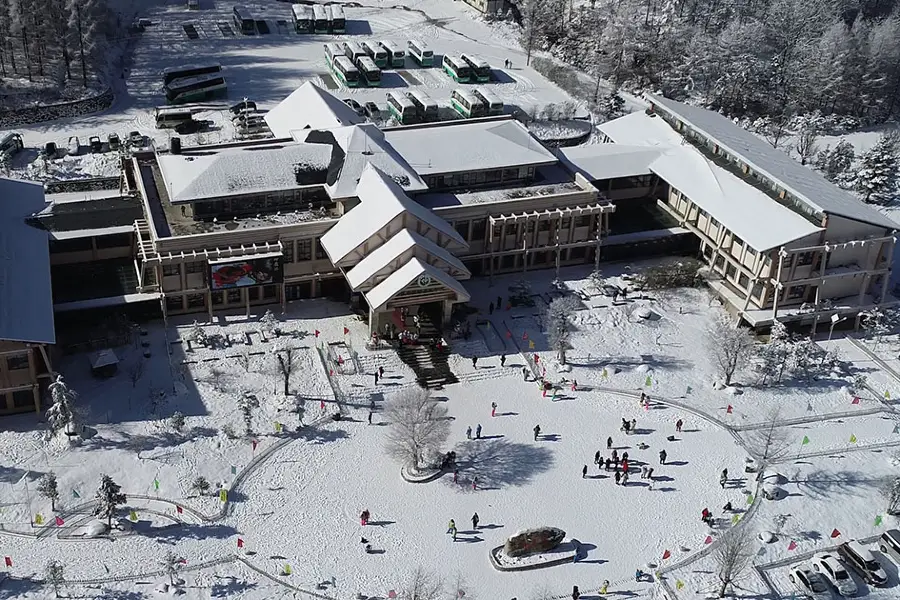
(809, 583)
(832, 569)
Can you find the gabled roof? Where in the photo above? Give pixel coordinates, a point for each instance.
(609, 161)
(378, 296)
(807, 185)
(404, 240)
(641, 129)
(309, 107)
(381, 200)
(200, 173)
(26, 299)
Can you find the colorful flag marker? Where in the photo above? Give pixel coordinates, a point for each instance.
(877, 520)
(852, 439)
(133, 515)
(156, 484)
(855, 400)
(531, 344)
(735, 519)
(59, 522)
(679, 584)
(39, 519)
(508, 334)
(253, 443)
(666, 554)
(649, 381)
(688, 391)
(179, 510)
(835, 533)
(8, 560)
(896, 429)
(605, 373)
(792, 545)
(346, 331)
(287, 569)
(708, 540)
(75, 494)
(233, 470)
(240, 543)
(277, 427)
(804, 441)
(887, 395)
(749, 498)
(729, 409)
(524, 335)
(223, 495)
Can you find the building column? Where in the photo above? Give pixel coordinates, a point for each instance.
(447, 306)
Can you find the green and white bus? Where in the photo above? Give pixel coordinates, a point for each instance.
(376, 53)
(492, 103)
(320, 19)
(353, 51)
(344, 71)
(371, 74)
(337, 22)
(420, 53)
(467, 104)
(401, 108)
(332, 51)
(196, 88)
(302, 17)
(426, 108)
(481, 70)
(396, 54)
(457, 68)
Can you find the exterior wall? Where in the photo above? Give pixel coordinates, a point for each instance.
(20, 371)
(90, 249)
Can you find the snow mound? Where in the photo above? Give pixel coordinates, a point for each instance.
(643, 313)
(95, 529)
(767, 537)
(642, 369)
(733, 391)
(775, 479)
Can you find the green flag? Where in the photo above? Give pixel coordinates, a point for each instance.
(877, 520)
(233, 470)
(887, 395)
(223, 495)
(156, 484)
(604, 374)
(649, 381)
(805, 441)
(688, 391)
(735, 519)
(749, 498)
(852, 439)
(132, 515)
(75, 494)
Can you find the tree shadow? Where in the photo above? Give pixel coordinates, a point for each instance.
(18, 587)
(822, 484)
(498, 462)
(652, 361)
(15, 474)
(184, 531)
(110, 594)
(316, 435)
(232, 588)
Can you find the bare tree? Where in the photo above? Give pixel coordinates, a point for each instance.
(288, 359)
(172, 564)
(807, 142)
(422, 585)
(419, 425)
(729, 344)
(268, 323)
(769, 443)
(136, 371)
(733, 555)
(891, 490)
(197, 334)
(47, 487)
(54, 576)
(559, 320)
(200, 485)
(244, 360)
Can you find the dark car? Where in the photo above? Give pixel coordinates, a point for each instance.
(114, 142)
(50, 150)
(191, 127)
(354, 105)
(242, 106)
(372, 111)
(96, 144)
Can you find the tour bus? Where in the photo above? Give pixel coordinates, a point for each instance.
(337, 22)
(426, 108)
(332, 51)
(10, 145)
(353, 51)
(244, 21)
(481, 70)
(194, 71)
(492, 103)
(344, 71)
(395, 52)
(467, 104)
(169, 118)
(376, 53)
(401, 108)
(320, 19)
(457, 68)
(192, 89)
(371, 74)
(420, 53)
(301, 15)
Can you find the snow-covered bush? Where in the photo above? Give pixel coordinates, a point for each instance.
(176, 421)
(61, 412)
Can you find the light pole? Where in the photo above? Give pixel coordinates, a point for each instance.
(835, 319)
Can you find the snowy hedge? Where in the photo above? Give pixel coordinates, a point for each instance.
(37, 114)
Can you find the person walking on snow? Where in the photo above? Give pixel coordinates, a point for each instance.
(604, 587)
(364, 517)
(493, 409)
(452, 529)
(644, 472)
(524, 373)
(475, 521)
(607, 465)
(596, 457)
(474, 362)
(624, 477)
(455, 475)
(678, 425)
(575, 593)
(491, 308)
(475, 482)
(723, 478)
(469, 432)
(584, 471)
(376, 377)
(608, 443)
(499, 302)
(502, 360)
(381, 372)
(615, 456)
(478, 432)
(370, 417)
(625, 465)
(574, 386)
(537, 432)
(662, 456)
(618, 476)
(650, 473)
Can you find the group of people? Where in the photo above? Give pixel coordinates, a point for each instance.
(453, 531)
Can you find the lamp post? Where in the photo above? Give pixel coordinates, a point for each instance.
(835, 319)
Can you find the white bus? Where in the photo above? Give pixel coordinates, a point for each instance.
(353, 51)
(420, 53)
(376, 53)
(401, 108)
(338, 22)
(302, 17)
(426, 108)
(481, 70)
(169, 118)
(395, 52)
(467, 104)
(371, 74)
(457, 68)
(345, 72)
(493, 104)
(332, 50)
(196, 88)
(320, 19)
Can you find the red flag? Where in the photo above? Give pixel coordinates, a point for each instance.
(524, 335)
(179, 510)
(508, 334)
(59, 522)
(322, 405)
(182, 561)
(835, 533)
(855, 400)
(729, 410)
(792, 545)
(318, 332)
(240, 543)
(666, 554)
(708, 540)
(253, 443)
(331, 372)
(346, 331)
(8, 561)
(340, 360)
(537, 358)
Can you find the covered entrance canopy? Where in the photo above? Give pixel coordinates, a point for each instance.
(415, 283)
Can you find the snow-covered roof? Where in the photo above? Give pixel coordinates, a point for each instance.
(364, 145)
(309, 107)
(609, 161)
(476, 146)
(382, 257)
(381, 200)
(743, 209)
(26, 300)
(804, 183)
(641, 129)
(202, 173)
(381, 294)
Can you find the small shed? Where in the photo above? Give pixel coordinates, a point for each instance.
(104, 363)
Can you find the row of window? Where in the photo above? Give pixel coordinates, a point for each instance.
(477, 178)
(87, 244)
(17, 362)
(20, 399)
(302, 253)
(233, 296)
(543, 225)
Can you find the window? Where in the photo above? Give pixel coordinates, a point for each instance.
(478, 228)
(304, 250)
(757, 290)
(462, 228)
(583, 221)
(270, 291)
(720, 262)
(116, 240)
(804, 258)
(577, 253)
(320, 251)
(736, 243)
(174, 303)
(19, 361)
(707, 251)
(743, 281)
(23, 398)
(196, 300)
(730, 271)
(565, 223)
(253, 293)
(713, 222)
(510, 174)
(233, 296)
(288, 251)
(170, 270)
(539, 258)
(510, 229)
(507, 262)
(217, 298)
(751, 254)
(797, 291)
(73, 245)
(194, 267)
(545, 225)
(492, 176)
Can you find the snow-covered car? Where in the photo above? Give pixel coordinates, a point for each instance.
(114, 142)
(136, 139)
(809, 583)
(74, 146)
(863, 561)
(889, 544)
(95, 144)
(832, 569)
(192, 127)
(372, 111)
(354, 105)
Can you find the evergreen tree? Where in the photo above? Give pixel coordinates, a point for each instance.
(247, 404)
(835, 162)
(54, 575)
(876, 177)
(47, 488)
(60, 413)
(109, 496)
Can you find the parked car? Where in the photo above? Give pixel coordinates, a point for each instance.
(809, 583)
(192, 126)
(889, 544)
(831, 567)
(372, 111)
(114, 142)
(136, 138)
(50, 150)
(74, 146)
(354, 106)
(242, 106)
(193, 4)
(863, 561)
(96, 144)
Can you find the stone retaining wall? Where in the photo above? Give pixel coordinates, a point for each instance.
(63, 110)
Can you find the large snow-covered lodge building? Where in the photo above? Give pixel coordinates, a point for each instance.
(401, 217)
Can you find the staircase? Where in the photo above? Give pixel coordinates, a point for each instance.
(430, 366)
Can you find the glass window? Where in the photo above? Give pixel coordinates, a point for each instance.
(804, 258)
(19, 361)
(510, 229)
(320, 251)
(737, 242)
(507, 262)
(116, 240)
(304, 250)
(233, 296)
(478, 228)
(171, 269)
(23, 398)
(196, 300)
(730, 271)
(462, 228)
(796, 291)
(577, 253)
(707, 250)
(218, 298)
(583, 221)
(288, 251)
(492, 176)
(174, 303)
(73, 245)
(270, 291)
(253, 293)
(720, 261)
(194, 267)
(757, 290)
(545, 225)
(743, 281)
(510, 174)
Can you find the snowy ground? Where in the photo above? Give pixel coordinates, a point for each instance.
(295, 498)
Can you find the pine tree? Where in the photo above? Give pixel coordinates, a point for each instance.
(268, 322)
(247, 404)
(48, 489)
(835, 163)
(876, 177)
(87, 20)
(559, 320)
(172, 564)
(61, 413)
(109, 496)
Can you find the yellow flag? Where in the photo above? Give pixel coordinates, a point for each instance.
(887, 395)
(223, 495)
(132, 515)
(287, 569)
(679, 584)
(852, 439)
(39, 519)
(604, 374)
(277, 427)
(735, 519)
(531, 344)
